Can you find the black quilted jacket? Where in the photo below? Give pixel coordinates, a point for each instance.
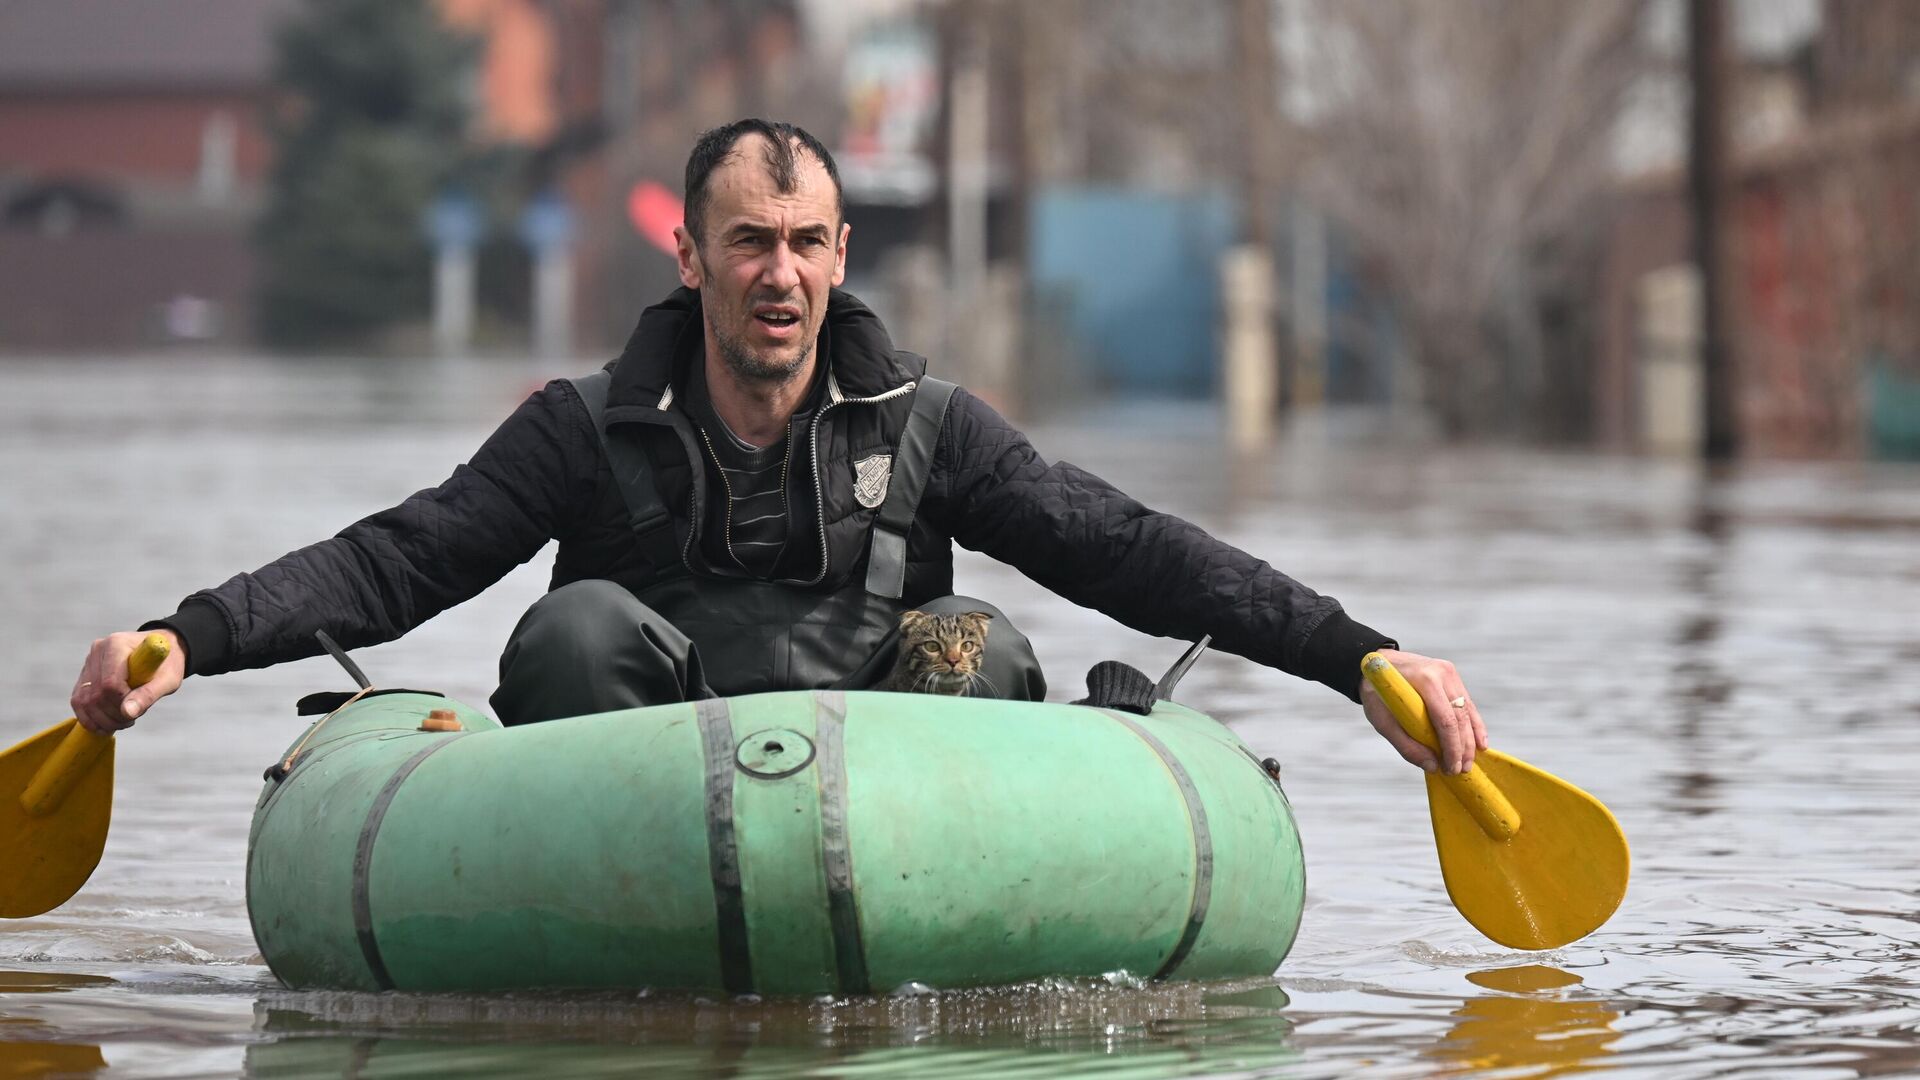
(542, 476)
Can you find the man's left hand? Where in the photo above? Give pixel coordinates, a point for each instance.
(1461, 732)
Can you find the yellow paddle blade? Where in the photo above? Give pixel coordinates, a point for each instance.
(56, 801)
(1530, 860)
(49, 856)
(1557, 880)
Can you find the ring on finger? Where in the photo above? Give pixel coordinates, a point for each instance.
(1459, 702)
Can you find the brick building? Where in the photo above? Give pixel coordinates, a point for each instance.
(1825, 290)
(132, 155)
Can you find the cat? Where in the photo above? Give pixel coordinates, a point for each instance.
(940, 654)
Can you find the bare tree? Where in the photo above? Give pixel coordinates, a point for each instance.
(1465, 143)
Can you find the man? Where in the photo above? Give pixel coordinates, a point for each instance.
(748, 497)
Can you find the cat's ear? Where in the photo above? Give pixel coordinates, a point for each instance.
(913, 620)
(977, 620)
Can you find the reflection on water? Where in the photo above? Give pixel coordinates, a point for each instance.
(40, 1060)
(47, 982)
(1040, 1029)
(1730, 662)
(33, 1060)
(1538, 1029)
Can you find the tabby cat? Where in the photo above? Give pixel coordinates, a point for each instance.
(940, 654)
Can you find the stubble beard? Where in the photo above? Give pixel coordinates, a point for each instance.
(750, 367)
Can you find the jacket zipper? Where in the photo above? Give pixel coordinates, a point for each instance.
(819, 490)
(726, 489)
(786, 476)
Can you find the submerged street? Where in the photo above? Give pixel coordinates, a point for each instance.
(1731, 665)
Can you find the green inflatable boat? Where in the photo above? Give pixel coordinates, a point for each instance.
(804, 842)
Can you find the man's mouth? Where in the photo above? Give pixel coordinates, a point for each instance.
(777, 317)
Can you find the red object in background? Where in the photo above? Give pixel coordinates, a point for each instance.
(655, 212)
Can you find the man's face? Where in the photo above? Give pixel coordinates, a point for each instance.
(766, 262)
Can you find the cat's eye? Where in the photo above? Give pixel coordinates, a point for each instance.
(929, 647)
(969, 646)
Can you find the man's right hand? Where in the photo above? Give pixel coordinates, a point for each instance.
(102, 701)
(1450, 709)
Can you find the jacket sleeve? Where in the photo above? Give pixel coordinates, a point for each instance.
(388, 573)
(1084, 539)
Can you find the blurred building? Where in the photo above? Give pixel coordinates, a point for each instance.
(650, 78)
(133, 153)
(134, 157)
(131, 162)
(1825, 219)
(134, 160)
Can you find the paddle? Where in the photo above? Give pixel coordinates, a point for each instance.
(1531, 861)
(56, 798)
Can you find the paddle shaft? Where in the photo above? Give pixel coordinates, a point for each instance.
(1491, 810)
(80, 748)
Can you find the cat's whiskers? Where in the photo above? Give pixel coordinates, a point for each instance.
(974, 677)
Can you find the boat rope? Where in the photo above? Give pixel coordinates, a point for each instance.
(280, 769)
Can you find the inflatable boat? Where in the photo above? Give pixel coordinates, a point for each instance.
(801, 842)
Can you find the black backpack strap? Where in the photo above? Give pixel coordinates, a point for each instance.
(912, 461)
(631, 469)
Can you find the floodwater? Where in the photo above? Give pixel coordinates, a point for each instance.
(1732, 665)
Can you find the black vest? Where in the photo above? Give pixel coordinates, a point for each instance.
(869, 450)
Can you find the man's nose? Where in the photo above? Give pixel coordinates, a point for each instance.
(783, 268)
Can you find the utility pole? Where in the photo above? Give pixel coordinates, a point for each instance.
(1251, 379)
(1707, 186)
(547, 228)
(455, 227)
(1254, 63)
(967, 150)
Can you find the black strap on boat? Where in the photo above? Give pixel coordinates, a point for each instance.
(632, 471)
(836, 852)
(912, 461)
(723, 849)
(1202, 845)
(363, 860)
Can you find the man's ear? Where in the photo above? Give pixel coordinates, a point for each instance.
(687, 254)
(840, 255)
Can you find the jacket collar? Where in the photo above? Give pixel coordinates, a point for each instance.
(861, 361)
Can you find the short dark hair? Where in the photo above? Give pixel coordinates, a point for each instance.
(716, 147)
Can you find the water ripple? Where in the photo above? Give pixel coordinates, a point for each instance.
(1732, 665)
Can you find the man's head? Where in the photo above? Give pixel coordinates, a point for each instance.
(764, 241)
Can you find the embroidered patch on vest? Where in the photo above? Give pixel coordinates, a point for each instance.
(870, 476)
